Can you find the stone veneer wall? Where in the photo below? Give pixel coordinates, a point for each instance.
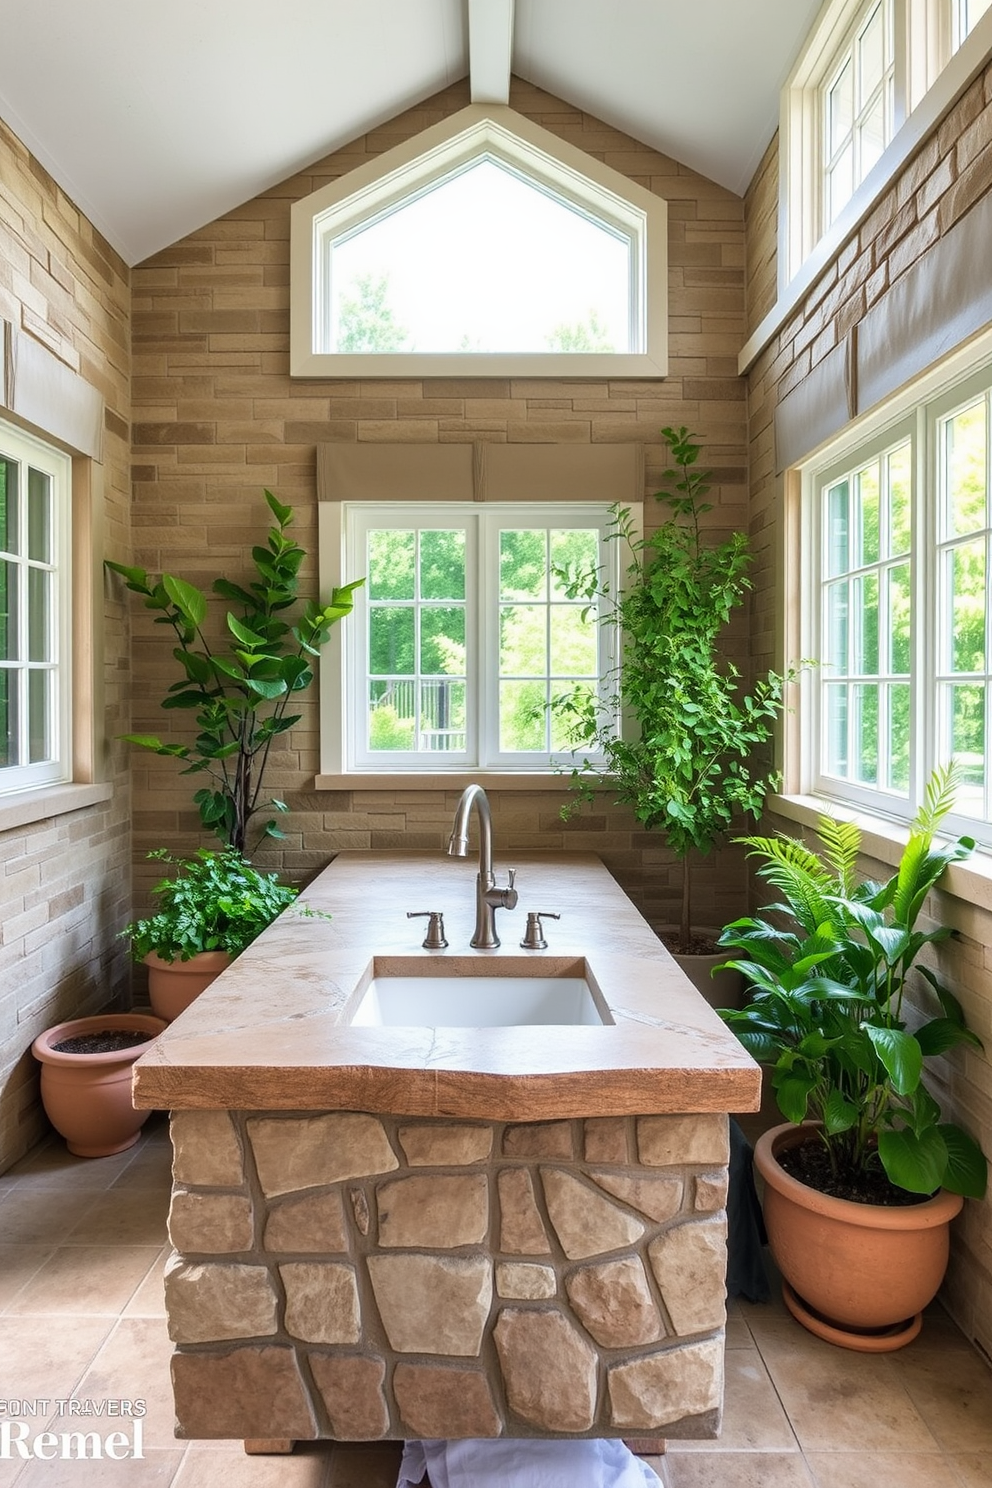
(361, 1277)
(950, 173)
(217, 418)
(65, 879)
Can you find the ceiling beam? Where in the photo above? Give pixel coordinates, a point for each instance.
(490, 43)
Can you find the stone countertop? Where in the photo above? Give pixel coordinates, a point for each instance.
(272, 1033)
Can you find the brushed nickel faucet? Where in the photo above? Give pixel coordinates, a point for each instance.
(488, 898)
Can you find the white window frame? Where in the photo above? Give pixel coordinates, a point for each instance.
(343, 703)
(918, 410)
(410, 169)
(932, 64)
(17, 444)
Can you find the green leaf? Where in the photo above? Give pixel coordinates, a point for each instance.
(967, 1170)
(901, 1056)
(242, 633)
(282, 514)
(916, 1163)
(941, 1034)
(188, 600)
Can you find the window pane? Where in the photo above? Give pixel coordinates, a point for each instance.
(9, 534)
(865, 600)
(40, 617)
(965, 465)
(899, 613)
(522, 716)
(838, 520)
(871, 57)
(442, 565)
(835, 696)
(866, 487)
(966, 707)
(574, 549)
(864, 705)
(442, 716)
(561, 738)
(482, 261)
(900, 475)
(837, 625)
(871, 137)
(9, 630)
(840, 184)
(442, 640)
(392, 565)
(840, 108)
(391, 715)
(899, 736)
(967, 605)
(573, 643)
(523, 641)
(9, 718)
(523, 564)
(39, 516)
(39, 717)
(391, 648)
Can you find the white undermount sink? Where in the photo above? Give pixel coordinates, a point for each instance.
(458, 999)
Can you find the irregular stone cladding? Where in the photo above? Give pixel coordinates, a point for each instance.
(360, 1277)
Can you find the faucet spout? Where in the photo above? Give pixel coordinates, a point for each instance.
(488, 897)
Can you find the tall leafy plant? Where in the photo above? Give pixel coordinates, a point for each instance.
(239, 687)
(685, 761)
(829, 966)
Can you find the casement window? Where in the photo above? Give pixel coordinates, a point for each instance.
(898, 554)
(463, 632)
(871, 81)
(35, 660)
(484, 246)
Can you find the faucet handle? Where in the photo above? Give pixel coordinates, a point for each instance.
(508, 896)
(434, 939)
(534, 934)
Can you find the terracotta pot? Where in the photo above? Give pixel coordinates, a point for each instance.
(87, 1097)
(173, 985)
(855, 1274)
(726, 989)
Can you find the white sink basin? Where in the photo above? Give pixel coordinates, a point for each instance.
(439, 1001)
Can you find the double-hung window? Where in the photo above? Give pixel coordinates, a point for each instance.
(465, 631)
(35, 663)
(898, 548)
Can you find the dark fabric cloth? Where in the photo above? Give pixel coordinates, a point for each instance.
(746, 1273)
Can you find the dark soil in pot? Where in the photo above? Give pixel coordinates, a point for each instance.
(809, 1163)
(102, 1041)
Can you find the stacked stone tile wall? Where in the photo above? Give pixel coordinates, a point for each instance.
(950, 173)
(65, 879)
(361, 1277)
(217, 418)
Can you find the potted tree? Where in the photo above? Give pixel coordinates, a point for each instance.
(215, 904)
(863, 1180)
(239, 689)
(686, 760)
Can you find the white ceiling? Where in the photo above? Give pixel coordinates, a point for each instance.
(156, 116)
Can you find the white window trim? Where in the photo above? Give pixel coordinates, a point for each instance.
(340, 658)
(51, 461)
(932, 92)
(922, 401)
(411, 166)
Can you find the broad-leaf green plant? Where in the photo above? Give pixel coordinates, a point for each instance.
(214, 901)
(829, 965)
(687, 758)
(239, 687)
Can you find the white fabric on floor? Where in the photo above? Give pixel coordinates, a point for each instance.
(528, 1463)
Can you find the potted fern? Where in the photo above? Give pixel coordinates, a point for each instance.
(863, 1180)
(687, 760)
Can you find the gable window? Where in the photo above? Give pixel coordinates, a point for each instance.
(34, 603)
(483, 246)
(464, 633)
(898, 539)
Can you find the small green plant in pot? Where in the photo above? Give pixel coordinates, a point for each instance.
(213, 906)
(688, 759)
(830, 964)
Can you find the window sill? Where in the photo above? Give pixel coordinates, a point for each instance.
(970, 882)
(451, 780)
(29, 806)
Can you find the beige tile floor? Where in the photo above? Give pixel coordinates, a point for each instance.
(81, 1316)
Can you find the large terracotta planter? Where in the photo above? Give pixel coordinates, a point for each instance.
(87, 1097)
(856, 1274)
(173, 985)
